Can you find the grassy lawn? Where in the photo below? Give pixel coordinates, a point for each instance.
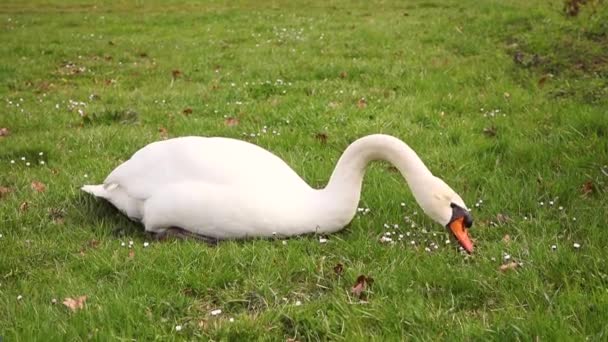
(506, 101)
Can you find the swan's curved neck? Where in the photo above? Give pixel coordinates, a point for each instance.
(344, 188)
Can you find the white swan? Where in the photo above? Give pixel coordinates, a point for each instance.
(224, 188)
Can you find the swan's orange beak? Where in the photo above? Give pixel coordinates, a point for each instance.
(461, 233)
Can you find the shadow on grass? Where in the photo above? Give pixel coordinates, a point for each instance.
(100, 215)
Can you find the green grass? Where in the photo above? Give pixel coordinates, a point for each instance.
(429, 71)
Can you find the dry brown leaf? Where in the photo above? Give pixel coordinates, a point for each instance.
(4, 132)
(164, 133)
(543, 80)
(490, 131)
(339, 269)
(176, 73)
(506, 239)
(23, 206)
(131, 254)
(343, 74)
(362, 103)
(510, 266)
(187, 111)
(502, 218)
(38, 186)
(587, 188)
(75, 304)
(230, 122)
(361, 285)
(322, 137)
(4, 191)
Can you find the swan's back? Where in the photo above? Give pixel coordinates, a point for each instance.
(221, 161)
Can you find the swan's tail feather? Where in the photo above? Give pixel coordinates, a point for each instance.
(95, 190)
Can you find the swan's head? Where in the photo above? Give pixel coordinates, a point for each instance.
(446, 207)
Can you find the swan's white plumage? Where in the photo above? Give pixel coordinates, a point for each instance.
(226, 188)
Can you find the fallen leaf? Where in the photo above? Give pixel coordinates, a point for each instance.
(4, 191)
(490, 131)
(322, 137)
(131, 254)
(176, 73)
(502, 218)
(4, 132)
(343, 74)
(93, 243)
(187, 111)
(143, 55)
(543, 80)
(230, 122)
(506, 239)
(587, 188)
(57, 214)
(362, 103)
(339, 269)
(75, 304)
(510, 266)
(334, 105)
(361, 285)
(164, 133)
(38, 186)
(23, 206)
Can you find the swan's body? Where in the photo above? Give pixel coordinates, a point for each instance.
(224, 188)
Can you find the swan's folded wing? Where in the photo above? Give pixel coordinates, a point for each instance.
(211, 160)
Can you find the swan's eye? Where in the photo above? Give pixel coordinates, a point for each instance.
(452, 205)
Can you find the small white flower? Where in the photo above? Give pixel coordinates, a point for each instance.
(86, 175)
(402, 204)
(560, 208)
(427, 249)
(506, 257)
(541, 203)
(284, 243)
(231, 320)
(54, 301)
(12, 162)
(1, 236)
(178, 328)
(322, 240)
(146, 244)
(412, 242)
(493, 258)
(27, 164)
(298, 303)
(550, 202)
(41, 153)
(396, 226)
(574, 219)
(123, 244)
(42, 162)
(576, 245)
(19, 297)
(216, 312)
(447, 242)
(553, 247)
